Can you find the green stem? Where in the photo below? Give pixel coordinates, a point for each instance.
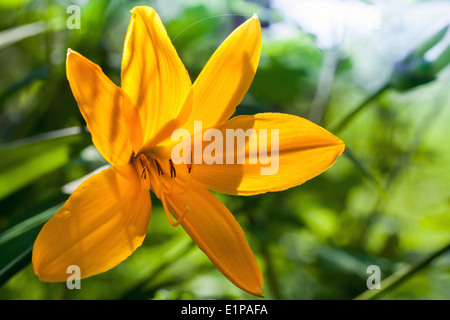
(402, 161)
(270, 273)
(399, 277)
(344, 122)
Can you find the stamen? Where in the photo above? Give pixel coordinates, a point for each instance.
(158, 166)
(189, 165)
(184, 188)
(166, 209)
(145, 170)
(144, 161)
(173, 172)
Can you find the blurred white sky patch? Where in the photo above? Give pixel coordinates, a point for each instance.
(439, 48)
(375, 35)
(331, 21)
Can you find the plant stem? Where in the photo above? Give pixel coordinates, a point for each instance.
(344, 122)
(270, 273)
(399, 277)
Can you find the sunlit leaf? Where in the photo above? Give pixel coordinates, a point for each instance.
(25, 161)
(16, 34)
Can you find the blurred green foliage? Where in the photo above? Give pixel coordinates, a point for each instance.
(386, 202)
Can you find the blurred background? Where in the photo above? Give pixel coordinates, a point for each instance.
(372, 72)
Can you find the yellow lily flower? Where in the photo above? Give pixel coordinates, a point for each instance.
(107, 217)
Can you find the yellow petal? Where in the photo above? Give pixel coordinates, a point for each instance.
(100, 102)
(304, 151)
(153, 75)
(100, 225)
(227, 76)
(216, 232)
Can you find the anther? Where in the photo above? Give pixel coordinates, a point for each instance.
(173, 172)
(189, 165)
(146, 166)
(158, 166)
(145, 172)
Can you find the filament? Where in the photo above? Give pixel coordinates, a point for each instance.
(184, 188)
(166, 209)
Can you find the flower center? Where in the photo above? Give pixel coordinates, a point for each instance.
(160, 175)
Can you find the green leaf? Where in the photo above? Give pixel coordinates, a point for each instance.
(399, 277)
(19, 33)
(16, 243)
(147, 288)
(25, 226)
(25, 161)
(39, 73)
(17, 264)
(16, 34)
(365, 172)
(13, 4)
